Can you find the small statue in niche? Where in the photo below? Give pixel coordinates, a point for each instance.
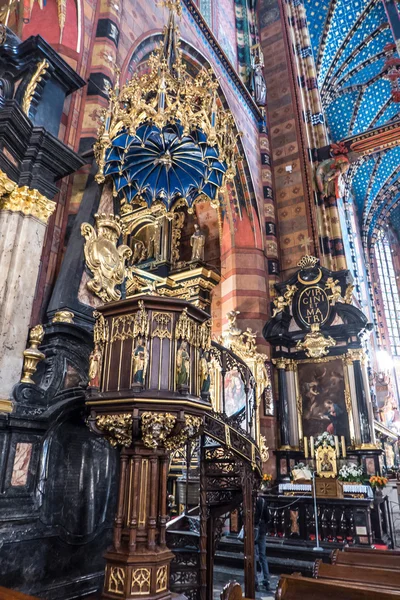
(197, 242)
(154, 250)
(182, 365)
(205, 375)
(258, 85)
(95, 361)
(139, 253)
(139, 359)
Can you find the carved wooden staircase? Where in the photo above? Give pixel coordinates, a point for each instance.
(229, 469)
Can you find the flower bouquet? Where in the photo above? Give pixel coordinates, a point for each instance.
(266, 481)
(351, 473)
(325, 439)
(378, 481)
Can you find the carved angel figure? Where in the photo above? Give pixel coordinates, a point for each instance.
(328, 172)
(280, 305)
(103, 258)
(336, 291)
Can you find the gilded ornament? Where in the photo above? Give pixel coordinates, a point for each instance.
(32, 356)
(326, 462)
(116, 580)
(335, 289)
(163, 328)
(117, 428)
(140, 584)
(156, 427)
(104, 259)
(178, 221)
(32, 85)
(308, 262)
(173, 5)
(315, 344)
(6, 184)
(348, 297)
(63, 316)
(264, 450)
(162, 579)
(190, 429)
(164, 96)
(356, 354)
(100, 332)
(29, 202)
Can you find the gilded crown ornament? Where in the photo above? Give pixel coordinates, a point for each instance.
(32, 355)
(165, 137)
(308, 262)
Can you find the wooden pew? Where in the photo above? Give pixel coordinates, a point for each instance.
(295, 587)
(232, 591)
(357, 550)
(375, 558)
(6, 594)
(386, 578)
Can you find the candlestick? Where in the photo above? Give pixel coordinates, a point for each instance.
(305, 447)
(312, 445)
(343, 446)
(337, 446)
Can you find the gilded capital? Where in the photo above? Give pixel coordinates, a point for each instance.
(281, 363)
(26, 201)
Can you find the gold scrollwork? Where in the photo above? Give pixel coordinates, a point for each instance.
(29, 202)
(105, 260)
(177, 225)
(162, 578)
(156, 427)
(140, 585)
(117, 428)
(32, 356)
(163, 329)
(63, 316)
(191, 428)
(315, 344)
(6, 184)
(116, 580)
(32, 85)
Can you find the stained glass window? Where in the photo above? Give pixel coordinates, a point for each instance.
(390, 293)
(206, 11)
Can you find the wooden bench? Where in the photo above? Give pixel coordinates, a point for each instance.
(295, 587)
(232, 591)
(386, 578)
(6, 594)
(375, 558)
(359, 550)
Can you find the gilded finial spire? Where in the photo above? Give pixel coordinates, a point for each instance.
(173, 5)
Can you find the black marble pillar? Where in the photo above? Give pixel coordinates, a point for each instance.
(365, 426)
(283, 405)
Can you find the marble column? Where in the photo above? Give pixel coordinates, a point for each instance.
(23, 219)
(294, 435)
(365, 423)
(283, 404)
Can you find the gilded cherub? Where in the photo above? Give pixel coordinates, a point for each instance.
(280, 305)
(336, 290)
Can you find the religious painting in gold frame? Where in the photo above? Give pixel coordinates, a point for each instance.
(323, 398)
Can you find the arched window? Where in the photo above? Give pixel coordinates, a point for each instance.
(389, 290)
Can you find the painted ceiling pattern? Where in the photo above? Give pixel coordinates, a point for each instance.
(350, 41)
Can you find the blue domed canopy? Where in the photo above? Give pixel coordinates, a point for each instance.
(164, 165)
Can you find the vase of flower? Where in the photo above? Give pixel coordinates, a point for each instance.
(351, 474)
(377, 483)
(266, 482)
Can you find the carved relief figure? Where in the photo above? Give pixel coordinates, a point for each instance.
(139, 253)
(197, 242)
(95, 362)
(258, 84)
(139, 359)
(154, 250)
(182, 365)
